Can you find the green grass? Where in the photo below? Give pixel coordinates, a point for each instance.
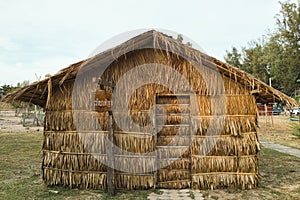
(278, 169)
(215, 197)
(6, 106)
(191, 195)
(296, 130)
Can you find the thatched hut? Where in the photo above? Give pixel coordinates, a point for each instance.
(203, 135)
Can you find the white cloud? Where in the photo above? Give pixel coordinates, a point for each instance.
(18, 72)
(8, 45)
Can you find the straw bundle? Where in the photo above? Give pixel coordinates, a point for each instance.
(134, 181)
(173, 131)
(226, 146)
(178, 184)
(165, 175)
(225, 180)
(132, 143)
(84, 180)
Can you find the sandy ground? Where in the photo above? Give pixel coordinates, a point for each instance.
(9, 123)
(279, 131)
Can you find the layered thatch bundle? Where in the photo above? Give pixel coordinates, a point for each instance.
(200, 136)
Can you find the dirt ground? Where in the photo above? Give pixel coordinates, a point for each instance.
(279, 131)
(9, 123)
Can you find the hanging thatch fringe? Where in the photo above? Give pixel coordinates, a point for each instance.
(220, 180)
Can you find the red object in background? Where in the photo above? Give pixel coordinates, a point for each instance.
(262, 110)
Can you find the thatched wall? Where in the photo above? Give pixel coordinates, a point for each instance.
(220, 157)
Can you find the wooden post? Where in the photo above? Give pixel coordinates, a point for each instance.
(190, 144)
(110, 156)
(110, 146)
(266, 114)
(272, 120)
(155, 144)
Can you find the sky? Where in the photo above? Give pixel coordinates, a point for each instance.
(39, 37)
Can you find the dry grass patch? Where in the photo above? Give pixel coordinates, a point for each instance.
(283, 131)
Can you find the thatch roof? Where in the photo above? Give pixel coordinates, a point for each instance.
(37, 92)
